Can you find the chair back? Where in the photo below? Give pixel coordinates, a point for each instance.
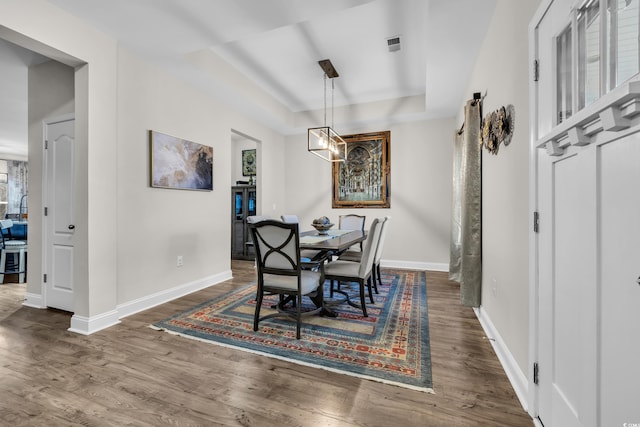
(5, 224)
(257, 218)
(351, 222)
(383, 233)
(290, 219)
(277, 247)
(368, 252)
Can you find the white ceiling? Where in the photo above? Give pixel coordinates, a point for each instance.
(278, 43)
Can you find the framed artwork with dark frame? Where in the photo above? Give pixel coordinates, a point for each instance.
(249, 162)
(180, 164)
(363, 180)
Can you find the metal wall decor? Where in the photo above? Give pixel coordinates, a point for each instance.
(497, 128)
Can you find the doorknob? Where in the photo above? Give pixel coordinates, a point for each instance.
(71, 227)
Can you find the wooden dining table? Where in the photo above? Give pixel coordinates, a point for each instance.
(334, 242)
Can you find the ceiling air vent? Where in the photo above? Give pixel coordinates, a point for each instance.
(393, 43)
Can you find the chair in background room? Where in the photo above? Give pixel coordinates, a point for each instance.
(9, 251)
(356, 256)
(277, 246)
(360, 272)
(352, 222)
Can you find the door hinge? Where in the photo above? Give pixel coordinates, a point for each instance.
(46, 144)
(536, 222)
(46, 211)
(536, 70)
(536, 373)
(44, 277)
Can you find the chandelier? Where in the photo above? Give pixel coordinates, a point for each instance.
(323, 141)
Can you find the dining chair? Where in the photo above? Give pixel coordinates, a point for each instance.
(306, 255)
(352, 222)
(290, 219)
(280, 271)
(9, 250)
(356, 256)
(360, 272)
(257, 218)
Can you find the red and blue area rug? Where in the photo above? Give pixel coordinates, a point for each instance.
(390, 346)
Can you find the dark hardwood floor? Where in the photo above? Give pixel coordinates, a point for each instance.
(131, 375)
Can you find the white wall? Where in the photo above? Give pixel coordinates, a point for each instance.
(502, 71)
(157, 225)
(421, 167)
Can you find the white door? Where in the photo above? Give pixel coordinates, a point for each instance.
(620, 293)
(566, 254)
(59, 214)
(567, 291)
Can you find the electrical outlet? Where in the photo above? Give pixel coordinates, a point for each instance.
(179, 261)
(494, 288)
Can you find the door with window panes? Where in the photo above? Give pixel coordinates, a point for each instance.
(586, 138)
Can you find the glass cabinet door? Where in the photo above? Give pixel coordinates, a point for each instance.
(251, 208)
(238, 204)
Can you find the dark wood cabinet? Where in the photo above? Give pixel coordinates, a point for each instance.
(243, 204)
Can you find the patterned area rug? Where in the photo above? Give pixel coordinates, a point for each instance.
(390, 346)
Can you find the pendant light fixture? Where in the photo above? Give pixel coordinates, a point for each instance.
(323, 141)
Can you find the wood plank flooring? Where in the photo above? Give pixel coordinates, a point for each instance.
(131, 375)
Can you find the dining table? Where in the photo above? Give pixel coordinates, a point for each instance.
(334, 241)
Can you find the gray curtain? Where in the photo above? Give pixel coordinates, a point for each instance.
(465, 263)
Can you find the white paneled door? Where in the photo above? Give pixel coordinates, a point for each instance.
(59, 214)
(619, 298)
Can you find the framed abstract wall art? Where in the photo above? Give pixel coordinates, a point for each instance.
(180, 164)
(363, 180)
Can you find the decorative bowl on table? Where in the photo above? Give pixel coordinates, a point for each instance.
(322, 224)
(323, 229)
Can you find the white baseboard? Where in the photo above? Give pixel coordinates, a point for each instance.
(517, 378)
(33, 300)
(414, 265)
(88, 325)
(149, 301)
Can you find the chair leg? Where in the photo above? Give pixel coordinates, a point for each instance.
(369, 289)
(362, 302)
(3, 264)
(298, 316)
(256, 316)
(379, 276)
(373, 277)
(21, 268)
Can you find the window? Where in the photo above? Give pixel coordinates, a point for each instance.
(589, 53)
(564, 77)
(604, 54)
(623, 40)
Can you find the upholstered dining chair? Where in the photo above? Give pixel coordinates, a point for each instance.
(280, 271)
(352, 222)
(306, 255)
(360, 272)
(356, 256)
(290, 219)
